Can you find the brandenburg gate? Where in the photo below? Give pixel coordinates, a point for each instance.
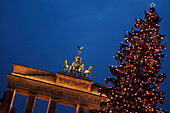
(61, 88)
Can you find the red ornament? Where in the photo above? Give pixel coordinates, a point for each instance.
(154, 40)
(121, 71)
(130, 66)
(106, 82)
(133, 44)
(158, 87)
(144, 70)
(129, 56)
(137, 55)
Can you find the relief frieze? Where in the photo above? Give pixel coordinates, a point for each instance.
(72, 82)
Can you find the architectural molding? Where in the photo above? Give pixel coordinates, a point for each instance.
(56, 88)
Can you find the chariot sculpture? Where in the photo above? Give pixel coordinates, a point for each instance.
(77, 67)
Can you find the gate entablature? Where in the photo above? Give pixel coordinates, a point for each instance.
(56, 88)
(61, 79)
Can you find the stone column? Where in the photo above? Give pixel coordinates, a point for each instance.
(80, 109)
(30, 104)
(9, 98)
(52, 106)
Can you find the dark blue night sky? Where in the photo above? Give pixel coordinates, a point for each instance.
(42, 33)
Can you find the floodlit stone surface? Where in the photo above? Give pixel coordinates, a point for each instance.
(56, 88)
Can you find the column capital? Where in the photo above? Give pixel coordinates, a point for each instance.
(53, 99)
(32, 94)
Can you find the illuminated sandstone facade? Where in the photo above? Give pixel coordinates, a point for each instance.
(56, 88)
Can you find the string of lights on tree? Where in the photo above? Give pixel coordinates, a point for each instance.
(136, 81)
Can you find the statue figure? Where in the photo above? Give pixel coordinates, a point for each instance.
(75, 65)
(72, 68)
(79, 51)
(77, 62)
(81, 69)
(65, 67)
(88, 72)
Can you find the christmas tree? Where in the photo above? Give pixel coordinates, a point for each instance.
(136, 81)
